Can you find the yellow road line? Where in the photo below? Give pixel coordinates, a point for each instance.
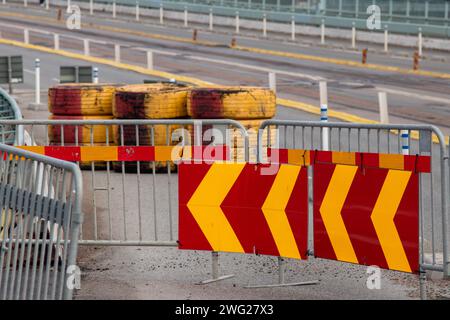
(344, 116)
(293, 55)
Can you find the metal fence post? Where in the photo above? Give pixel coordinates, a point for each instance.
(322, 32)
(293, 28)
(324, 113)
(86, 47)
(26, 36)
(117, 53)
(386, 39)
(114, 9)
(185, 17)
(56, 41)
(150, 60)
(211, 22)
(91, 7)
(273, 81)
(237, 22)
(37, 70)
(95, 75)
(137, 11)
(353, 36)
(264, 25)
(161, 14)
(420, 42)
(383, 105)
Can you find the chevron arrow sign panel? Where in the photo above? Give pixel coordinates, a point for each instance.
(367, 216)
(232, 207)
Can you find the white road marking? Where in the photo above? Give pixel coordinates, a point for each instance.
(262, 69)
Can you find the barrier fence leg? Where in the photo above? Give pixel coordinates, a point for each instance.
(281, 270)
(185, 17)
(215, 270)
(423, 285)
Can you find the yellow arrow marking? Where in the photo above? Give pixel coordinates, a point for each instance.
(274, 211)
(331, 208)
(383, 219)
(205, 206)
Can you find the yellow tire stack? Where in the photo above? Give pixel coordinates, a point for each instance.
(249, 105)
(148, 101)
(81, 101)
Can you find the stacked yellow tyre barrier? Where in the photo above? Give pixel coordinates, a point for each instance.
(148, 101)
(249, 105)
(82, 101)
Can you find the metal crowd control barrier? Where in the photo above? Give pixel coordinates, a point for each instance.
(383, 139)
(121, 191)
(130, 182)
(9, 110)
(40, 202)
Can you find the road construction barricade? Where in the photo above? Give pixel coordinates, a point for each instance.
(127, 207)
(379, 192)
(40, 218)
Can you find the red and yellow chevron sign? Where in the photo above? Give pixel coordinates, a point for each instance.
(233, 207)
(132, 153)
(367, 216)
(414, 163)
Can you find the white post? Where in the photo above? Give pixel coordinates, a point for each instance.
(86, 47)
(56, 41)
(114, 9)
(137, 11)
(26, 36)
(211, 23)
(293, 28)
(161, 14)
(95, 75)
(150, 60)
(91, 7)
(405, 141)
(272, 81)
(185, 17)
(386, 40)
(353, 36)
(117, 53)
(37, 73)
(3, 1)
(382, 102)
(324, 114)
(237, 22)
(47, 5)
(420, 42)
(25, 3)
(68, 5)
(322, 32)
(264, 25)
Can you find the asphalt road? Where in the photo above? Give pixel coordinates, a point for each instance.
(412, 99)
(160, 273)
